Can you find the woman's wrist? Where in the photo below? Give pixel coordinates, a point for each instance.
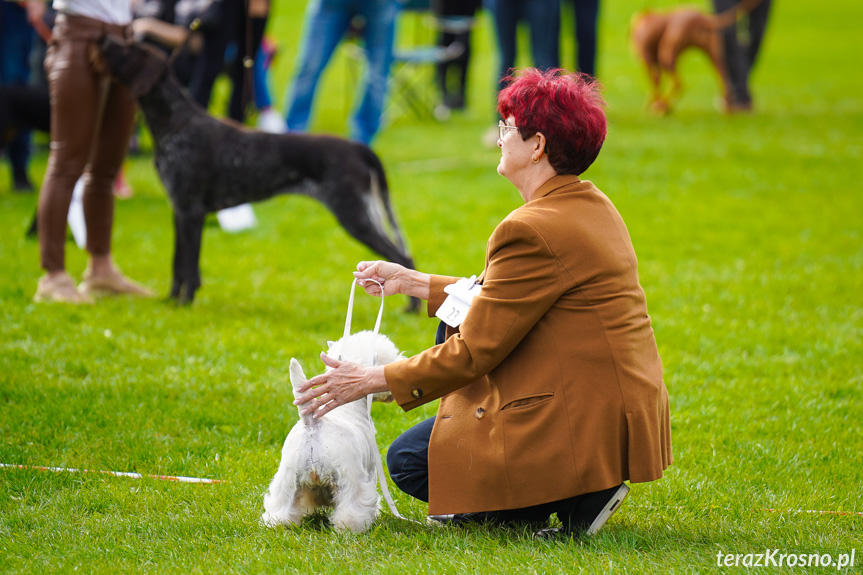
(377, 380)
(416, 284)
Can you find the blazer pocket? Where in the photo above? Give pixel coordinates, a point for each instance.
(528, 401)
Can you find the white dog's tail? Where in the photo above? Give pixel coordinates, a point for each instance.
(298, 378)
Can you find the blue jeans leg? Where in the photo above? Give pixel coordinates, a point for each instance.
(543, 18)
(326, 24)
(16, 41)
(408, 460)
(379, 35)
(586, 16)
(505, 13)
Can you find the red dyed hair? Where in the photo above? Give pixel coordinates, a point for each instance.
(567, 108)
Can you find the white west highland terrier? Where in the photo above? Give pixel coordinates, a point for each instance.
(330, 462)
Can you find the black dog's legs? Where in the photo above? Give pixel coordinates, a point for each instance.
(179, 253)
(192, 228)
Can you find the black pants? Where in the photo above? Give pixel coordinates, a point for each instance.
(740, 55)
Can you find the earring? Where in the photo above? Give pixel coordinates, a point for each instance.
(535, 160)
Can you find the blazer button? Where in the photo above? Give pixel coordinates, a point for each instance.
(480, 412)
(417, 393)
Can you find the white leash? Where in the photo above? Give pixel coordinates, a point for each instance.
(379, 466)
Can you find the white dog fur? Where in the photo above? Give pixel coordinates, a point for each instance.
(329, 462)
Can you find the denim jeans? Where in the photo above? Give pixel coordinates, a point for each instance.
(586, 16)
(543, 19)
(16, 40)
(327, 21)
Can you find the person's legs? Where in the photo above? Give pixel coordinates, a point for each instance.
(378, 36)
(757, 26)
(543, 18)
(444, 40)
(242, 78)
(735, 58)
(16, 41)
(210, 61)
(586, 16)
(116, 123)
(407, 460)
(111, 143)
(326, 24)
(74, 110)
(505, 13)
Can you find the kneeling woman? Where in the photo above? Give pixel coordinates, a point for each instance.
(551, 388)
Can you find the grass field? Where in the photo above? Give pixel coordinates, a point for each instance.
(748, 231)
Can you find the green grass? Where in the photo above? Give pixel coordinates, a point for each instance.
(748, 232)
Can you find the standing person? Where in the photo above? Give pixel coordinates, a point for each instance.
(543, 20)
(455, 22)
(740, 55)
(16, 43)
(586, 19)
(551, 387)
(91, 122)
(327, 21)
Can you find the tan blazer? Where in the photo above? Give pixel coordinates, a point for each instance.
(553, 386)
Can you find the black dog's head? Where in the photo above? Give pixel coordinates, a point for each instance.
(136, 65)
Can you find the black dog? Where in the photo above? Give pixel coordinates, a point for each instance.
(208, 164)
(22, 108)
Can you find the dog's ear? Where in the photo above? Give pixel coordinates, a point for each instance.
(298, 378)
(146, 66)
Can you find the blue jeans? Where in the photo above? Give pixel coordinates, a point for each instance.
(16, 41)
(543, 19)
(327, 21)
(586, 16)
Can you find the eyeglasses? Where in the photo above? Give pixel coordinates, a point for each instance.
(502, 128)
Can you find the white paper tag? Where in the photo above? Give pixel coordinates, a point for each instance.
(455, 307)
(75, 216)
(237, 219)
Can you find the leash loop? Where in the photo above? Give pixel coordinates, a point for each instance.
(379, 466)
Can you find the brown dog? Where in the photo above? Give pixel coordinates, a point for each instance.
(659, 38)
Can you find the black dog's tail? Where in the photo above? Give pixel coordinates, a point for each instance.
(381, 192)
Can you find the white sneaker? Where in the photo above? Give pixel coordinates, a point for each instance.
(271, 121)
(613, 505)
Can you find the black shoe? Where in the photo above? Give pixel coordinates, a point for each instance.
(611, 505)
(592, 511)
(21, 183)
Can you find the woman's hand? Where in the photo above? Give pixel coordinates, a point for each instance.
(395, 278)
(345, 383)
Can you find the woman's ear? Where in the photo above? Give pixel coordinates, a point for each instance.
(539, 145)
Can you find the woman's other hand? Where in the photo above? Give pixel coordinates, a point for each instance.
(344, 383)
(395, 278)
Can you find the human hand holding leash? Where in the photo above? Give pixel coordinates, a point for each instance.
(395, 278)
(344, 383)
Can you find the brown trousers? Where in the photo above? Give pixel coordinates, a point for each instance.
(91, 123)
